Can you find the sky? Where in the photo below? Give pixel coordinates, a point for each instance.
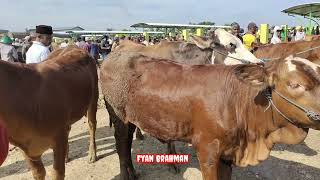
(16, 15)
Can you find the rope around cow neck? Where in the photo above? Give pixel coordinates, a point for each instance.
(301, 52)
(244, 61)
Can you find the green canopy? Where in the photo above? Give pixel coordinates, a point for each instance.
(310, 11)
(305, 10)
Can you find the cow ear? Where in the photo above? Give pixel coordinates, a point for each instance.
(201, 43)
(253, 75)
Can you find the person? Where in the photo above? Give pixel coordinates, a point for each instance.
(4, 142)
(64, 44)
(276, 35)
(25, 47)
(300, 34)
(7, 51)
(116, 43)
(249, 39)
(105, 47)
(235, 30)
(83, 44)
(39, 51)
(317, 30)
(94, 51)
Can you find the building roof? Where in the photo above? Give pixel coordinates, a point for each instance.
(166, 25)
(3, 31)
(305, 10)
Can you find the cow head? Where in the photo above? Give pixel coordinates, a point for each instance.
(295, 78)
(220, 41)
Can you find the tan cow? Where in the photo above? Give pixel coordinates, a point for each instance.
(231, 114)
(40, 102)
(282, 50)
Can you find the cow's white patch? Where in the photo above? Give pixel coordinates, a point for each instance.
(241, 52)
(293, 67)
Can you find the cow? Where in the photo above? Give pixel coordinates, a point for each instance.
(230, 114)
(220, 47)
(4, 142)
(40, 102)
(306, 49)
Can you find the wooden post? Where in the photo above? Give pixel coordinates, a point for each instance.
(264, 33)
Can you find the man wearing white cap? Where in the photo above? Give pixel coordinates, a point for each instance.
(276, 35)
(39, 51)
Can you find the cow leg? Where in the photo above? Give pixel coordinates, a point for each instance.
(131, 129)
(225, 170)
(139, 135)
(121, 134)
(208, 156)
(36, 166)
(67, 151)
(172, 150)
(108, 106)
(92, 121)
(59, 153)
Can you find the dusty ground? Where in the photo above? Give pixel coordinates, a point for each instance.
(287, 162)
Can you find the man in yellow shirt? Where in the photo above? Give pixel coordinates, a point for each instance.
(249, 39)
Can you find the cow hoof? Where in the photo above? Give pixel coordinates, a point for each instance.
(92, 159)
(174, 169)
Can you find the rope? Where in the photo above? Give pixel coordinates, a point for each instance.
(264, 60)
(301, 52)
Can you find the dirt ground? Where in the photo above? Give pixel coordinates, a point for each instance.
(295, 162)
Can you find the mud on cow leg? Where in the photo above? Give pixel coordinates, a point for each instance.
(123, 135)
(37, 168)
(59, 153)
(172, 150)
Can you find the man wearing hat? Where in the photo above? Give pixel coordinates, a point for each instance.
(39, 51)
(249, 39)
(7, 51)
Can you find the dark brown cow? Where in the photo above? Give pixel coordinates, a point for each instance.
(200, 51)
(39, 102)
(285, 49)
(222, 110)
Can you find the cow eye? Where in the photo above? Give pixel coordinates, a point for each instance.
(294, 86)
(232, 45)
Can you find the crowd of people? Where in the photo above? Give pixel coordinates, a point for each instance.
(251, 38)
(37, 46)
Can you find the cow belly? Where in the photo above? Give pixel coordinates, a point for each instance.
(161, 117)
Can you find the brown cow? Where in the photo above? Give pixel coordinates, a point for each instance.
(200, 51)
(285, 49)
(222, 110)
(40, 102)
